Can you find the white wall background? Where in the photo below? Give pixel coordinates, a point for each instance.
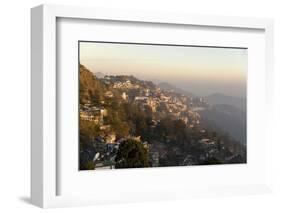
(15, 104)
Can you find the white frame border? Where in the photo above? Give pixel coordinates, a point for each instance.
(43, 91)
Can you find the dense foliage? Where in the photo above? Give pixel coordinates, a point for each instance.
(131, 154)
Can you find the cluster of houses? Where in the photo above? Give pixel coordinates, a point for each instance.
(175, 105)
(93, 113)
(179, 106)
(125, 85)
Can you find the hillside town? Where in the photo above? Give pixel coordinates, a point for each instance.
(158, 104)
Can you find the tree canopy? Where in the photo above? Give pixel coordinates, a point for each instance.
(131, 154)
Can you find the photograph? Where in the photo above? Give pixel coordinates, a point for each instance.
(147, 105)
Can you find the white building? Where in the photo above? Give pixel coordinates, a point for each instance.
(124, 96)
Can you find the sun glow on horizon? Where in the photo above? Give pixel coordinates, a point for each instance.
(201, 70)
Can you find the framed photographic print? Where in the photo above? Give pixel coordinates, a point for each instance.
(148, 105)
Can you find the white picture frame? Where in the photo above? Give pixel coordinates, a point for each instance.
(44, 155)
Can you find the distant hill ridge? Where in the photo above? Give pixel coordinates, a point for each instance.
(167, 86)
(99, 75)
(219, 98)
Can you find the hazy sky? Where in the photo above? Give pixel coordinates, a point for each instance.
(200, 70)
